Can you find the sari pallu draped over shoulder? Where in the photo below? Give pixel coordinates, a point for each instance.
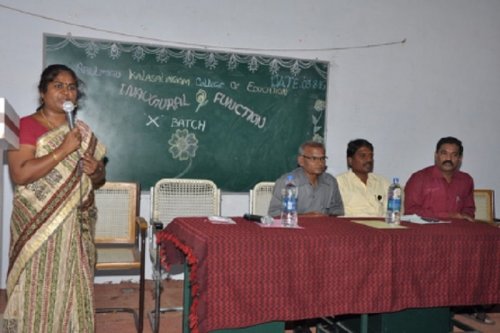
(52, 254)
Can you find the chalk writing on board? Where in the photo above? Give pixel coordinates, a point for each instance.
(209, 83)
(253, 88)
(157, 78)
(152, 121)
(201, 99)
(183, 146)
(153, 100)
(167, 112)
(195, 124)
(240, 110)
(96, 71)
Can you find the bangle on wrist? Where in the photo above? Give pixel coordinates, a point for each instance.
(54, 156)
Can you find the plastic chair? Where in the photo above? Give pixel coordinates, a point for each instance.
(171, 198)
(260, 198)
(120, 238)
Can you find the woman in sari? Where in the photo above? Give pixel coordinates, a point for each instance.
(52, 254)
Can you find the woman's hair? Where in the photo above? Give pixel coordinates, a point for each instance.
(48, 76)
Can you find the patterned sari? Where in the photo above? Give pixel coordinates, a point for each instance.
(52, 254)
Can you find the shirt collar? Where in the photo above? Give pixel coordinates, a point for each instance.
(436, 173)
(352, 174)
(303, 179)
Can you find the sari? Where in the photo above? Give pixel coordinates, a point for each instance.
(52, 253)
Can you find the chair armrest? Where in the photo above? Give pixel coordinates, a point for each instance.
(142, 224)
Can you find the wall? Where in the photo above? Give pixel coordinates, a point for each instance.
(4, 230)
(444, 80)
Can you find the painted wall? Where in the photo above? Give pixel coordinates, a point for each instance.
(444, 80)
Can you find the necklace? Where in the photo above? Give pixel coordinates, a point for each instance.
(47, 120)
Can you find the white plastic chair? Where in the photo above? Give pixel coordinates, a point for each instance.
(260, 198)
(171, 198)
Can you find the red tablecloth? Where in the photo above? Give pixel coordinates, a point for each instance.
(244, 274)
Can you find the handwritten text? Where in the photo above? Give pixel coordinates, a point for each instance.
(144, 76)
(195, 124)
(209, 83)
(241, 110)
(161, 103)
(251, 87)
(291, 82)
(96, 71)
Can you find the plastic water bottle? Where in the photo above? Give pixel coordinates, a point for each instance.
(393, 214)
(289, 216)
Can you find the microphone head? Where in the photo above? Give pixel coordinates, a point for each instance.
(68, 106)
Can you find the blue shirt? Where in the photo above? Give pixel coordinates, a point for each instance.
(324, 197)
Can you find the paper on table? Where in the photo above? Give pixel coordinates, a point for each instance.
(414, 218)
(377, 224)
(221, 220)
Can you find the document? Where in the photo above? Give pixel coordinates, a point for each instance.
(414, 218)
(377, 224)
(221, 220)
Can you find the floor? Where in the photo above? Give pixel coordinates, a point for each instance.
(126, 294)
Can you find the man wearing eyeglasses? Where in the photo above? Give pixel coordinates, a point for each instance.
(318, 192)
(364, 193)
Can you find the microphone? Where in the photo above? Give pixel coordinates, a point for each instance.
(252, 217)
(266, 219)
(68, 107)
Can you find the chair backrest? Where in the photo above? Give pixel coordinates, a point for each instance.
(172, 197)
(120, 237)
(260, 198)
(484, 200)
(117, 207)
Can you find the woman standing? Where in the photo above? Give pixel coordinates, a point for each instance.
(52, 254)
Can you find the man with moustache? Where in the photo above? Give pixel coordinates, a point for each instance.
(364, 194)
(442, 191)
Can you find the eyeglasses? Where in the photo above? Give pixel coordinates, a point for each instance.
(314, 158)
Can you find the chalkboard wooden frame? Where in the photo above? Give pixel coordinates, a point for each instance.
(166, 112)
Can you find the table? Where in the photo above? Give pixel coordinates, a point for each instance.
(244, 274)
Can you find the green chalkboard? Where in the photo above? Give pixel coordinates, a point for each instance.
(164, 112)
